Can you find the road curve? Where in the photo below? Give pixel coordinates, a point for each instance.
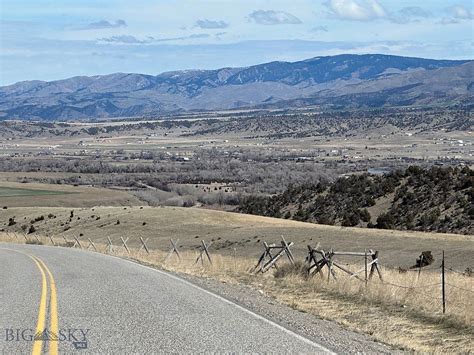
(110, 305)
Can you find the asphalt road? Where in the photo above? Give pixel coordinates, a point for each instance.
(77, 301)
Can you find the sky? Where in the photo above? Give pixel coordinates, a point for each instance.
(51, 40)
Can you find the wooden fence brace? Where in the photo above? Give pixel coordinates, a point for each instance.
(264, 265)
(235, 259)
(365, 268)
(91, 244)
(173, 249)
(349, 253)
(287, 250)
(443, 285)
(311, 258)
(204, 250)
(346, 271)
(110, 246)
(65, 241)
(26, 237)
(268, 253)
(262, 257)
(318, 265)
(330, 263)
(77, 242)
(283, 249)
(315, 265)
(52, 241)
(374, 266)
(124, 244)
(36, 237)
(144, 246)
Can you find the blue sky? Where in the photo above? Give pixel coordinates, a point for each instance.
(49, 40)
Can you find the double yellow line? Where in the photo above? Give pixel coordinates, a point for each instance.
(53, 333)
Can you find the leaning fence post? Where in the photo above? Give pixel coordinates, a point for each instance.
(124, 244)
(143, 246)
(443, 285)
(77, 242)
(206, 251)
(110, 246)
(235, 260)
(365, 261)
(91, 244)
(173, 249)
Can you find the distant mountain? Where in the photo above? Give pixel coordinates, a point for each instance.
(335, 81)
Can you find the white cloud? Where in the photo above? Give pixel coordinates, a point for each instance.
(356, 10)
(460, 12)
(457, 13)
(409, 14)
(271, 17)
(126, 39)
(211, 24)
(103, 24)
(130, 40)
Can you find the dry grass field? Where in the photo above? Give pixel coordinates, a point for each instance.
(229, 231)
(404, 310)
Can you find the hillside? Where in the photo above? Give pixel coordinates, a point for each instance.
(436, 199)
(348, 80)
(228, 232)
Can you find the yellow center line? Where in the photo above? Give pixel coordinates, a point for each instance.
(40, 325)
(53, 308)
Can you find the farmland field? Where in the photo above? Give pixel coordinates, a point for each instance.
(17, 192)
(14, 194)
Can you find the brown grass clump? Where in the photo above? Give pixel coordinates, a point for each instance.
(286, 270)
(404, 310)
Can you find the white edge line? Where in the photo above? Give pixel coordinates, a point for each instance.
(255, 315)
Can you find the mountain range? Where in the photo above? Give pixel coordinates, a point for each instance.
(341, 81)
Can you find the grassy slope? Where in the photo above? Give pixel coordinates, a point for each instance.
(245, 233)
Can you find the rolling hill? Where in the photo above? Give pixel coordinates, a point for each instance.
(333, 81)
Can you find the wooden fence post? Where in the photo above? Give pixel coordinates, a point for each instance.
(421, 265)
(366, 267)
(143, 246)
(204, 250)
(91, 244)
(77, 242)
(110, 246)
(173, 249)
(124, 244)
(443, 283)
